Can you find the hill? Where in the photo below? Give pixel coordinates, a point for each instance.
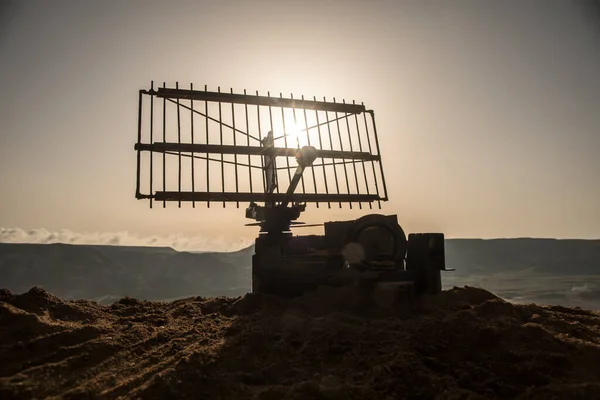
(462, 344)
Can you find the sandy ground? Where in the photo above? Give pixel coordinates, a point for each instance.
(462, 344)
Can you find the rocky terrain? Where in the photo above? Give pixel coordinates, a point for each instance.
(465, 343)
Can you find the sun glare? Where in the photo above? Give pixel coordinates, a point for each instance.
(295, 134)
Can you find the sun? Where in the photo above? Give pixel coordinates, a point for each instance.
(295, 134)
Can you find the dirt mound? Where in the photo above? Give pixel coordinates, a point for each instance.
(462, 344)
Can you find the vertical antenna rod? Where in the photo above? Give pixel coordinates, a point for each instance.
(337, 185)
(151, 136)
(372, 162)
(352, 149)
(273, 163)
(248, 143)
(321, 146)
(221, 143)
(312, 169)
(207, 142)
(139, 140)
(178, 142)
(235, 165)
(385, 196)
(285, 142)
(164, 140)
(192, 134)
(360, 148)
(337, 122)
(298, 142)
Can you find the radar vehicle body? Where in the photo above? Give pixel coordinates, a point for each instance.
(277, 155)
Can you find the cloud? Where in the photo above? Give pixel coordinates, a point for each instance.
(586, 291)
(178, 242)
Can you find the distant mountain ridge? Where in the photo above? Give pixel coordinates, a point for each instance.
(552, 256)
(106, 273)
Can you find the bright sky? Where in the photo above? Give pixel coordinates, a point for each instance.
(487, 112)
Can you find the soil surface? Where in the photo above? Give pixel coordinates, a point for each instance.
(464, 343)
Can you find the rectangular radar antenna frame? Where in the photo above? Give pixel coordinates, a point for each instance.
(215, 146)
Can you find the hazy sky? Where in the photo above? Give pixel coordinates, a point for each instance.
(488, 112)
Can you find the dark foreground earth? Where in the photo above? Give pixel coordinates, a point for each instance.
(462, 344)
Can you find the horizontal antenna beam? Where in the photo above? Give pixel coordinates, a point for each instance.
(257, 100)
(261, 197)
(163, 147)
